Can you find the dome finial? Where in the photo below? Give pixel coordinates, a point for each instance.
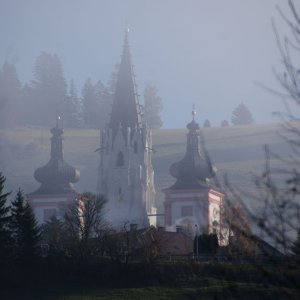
(59, 120)
(194, 111)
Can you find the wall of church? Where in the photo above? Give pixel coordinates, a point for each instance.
(126, 177)
(47, 206)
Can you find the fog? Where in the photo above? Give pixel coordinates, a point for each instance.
(211, 53)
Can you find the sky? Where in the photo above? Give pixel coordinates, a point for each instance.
(211, 53)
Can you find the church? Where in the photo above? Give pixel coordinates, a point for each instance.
(126, 176)
(56, 192)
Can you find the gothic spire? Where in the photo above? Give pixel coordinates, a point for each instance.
(125, 108)
(56, 176)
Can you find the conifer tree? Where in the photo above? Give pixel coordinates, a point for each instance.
(153, 107)
(241, 115)
(48, 89)
(72, 109)
(54, 233)
(206, 123)
(25, 231)
(5, 238)
(10, 94)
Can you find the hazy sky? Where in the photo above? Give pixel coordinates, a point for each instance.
(207, 52)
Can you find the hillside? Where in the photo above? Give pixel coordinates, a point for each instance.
(236, 151)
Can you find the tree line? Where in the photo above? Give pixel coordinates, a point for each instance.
(48, 94)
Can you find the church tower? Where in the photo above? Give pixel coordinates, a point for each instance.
(191, 203)
(125, 170)
(56, 177)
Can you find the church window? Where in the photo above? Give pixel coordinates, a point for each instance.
(120, 194)
(120, 159)
(135, 147)
(187, 211)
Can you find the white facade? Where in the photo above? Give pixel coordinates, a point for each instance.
(47, 206)
(196, 212)
(126, 177)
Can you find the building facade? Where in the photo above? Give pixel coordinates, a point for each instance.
(191, 203)
(56, 192)
(126, 176)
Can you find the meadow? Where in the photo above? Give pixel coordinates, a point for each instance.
(237, 151)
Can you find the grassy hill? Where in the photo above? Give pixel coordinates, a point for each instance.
(236, 151)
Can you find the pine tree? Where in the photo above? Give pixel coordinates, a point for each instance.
(224, 123)
(206, 123)
(55, 235)
(25, 231)
(153, 107)
(5, 237)
(49, 89)
(89, 102)
(10, 94)
(72, 109)
(241, 115)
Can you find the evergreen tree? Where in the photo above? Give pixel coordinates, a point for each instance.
(5, 237)
(10, 95)
(224, 123)
(25, 231)
(89, 102)
(72, 109)
(241, 115)
(103, 105)
(49, 89)
(206, 123)
(55, 235)
(153, 107)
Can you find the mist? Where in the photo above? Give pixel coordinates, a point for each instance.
(208, 53)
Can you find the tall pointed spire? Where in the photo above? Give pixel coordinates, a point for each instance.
(125, 108)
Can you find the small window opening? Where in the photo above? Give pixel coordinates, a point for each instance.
(135, 147)
(120, 159)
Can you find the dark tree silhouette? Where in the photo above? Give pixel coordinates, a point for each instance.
(206, 123)
(241, 115)
(84, 220)
(25, 231)
(224, 123)
(153, 107)
(48, 89)
(71, 108)
(54, 234)
(206, 244)
(10, 96)
(5, 236)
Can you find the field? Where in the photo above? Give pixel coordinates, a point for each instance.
(237, 151)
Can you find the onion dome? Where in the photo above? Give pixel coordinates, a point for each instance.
(193, 171)
(57, 176)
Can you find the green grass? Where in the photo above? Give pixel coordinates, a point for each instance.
(212, 290)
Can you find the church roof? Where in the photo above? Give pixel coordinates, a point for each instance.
(57, 176)
(125, 109)
(193, 171)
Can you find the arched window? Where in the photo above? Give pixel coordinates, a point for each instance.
(120, 197)
(120, 159)
(135, 147)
